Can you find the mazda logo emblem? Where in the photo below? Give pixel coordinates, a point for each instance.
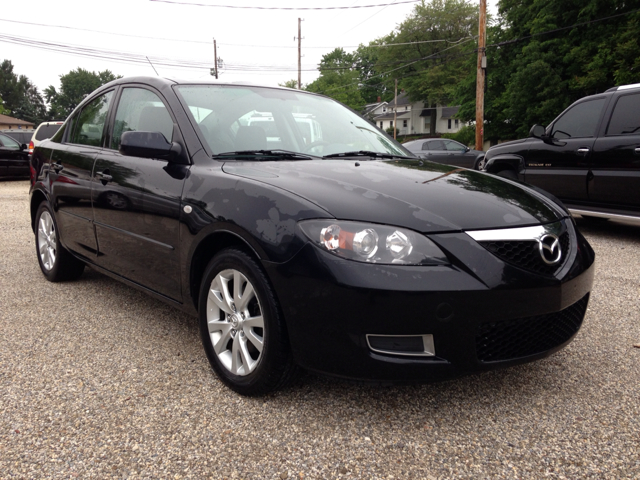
(550, 251)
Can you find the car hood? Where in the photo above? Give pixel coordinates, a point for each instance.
(508, 144)
(423, 196)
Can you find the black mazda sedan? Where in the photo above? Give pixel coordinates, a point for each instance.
(303, 237)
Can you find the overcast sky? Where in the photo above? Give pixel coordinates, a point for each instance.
(256, 45)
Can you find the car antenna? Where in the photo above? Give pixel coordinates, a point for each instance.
(154, 68)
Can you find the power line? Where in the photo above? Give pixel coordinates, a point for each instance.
(283, 8)
(65, 27)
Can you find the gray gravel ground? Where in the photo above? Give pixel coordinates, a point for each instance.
(98, 380)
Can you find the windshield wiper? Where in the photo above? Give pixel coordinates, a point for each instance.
(365, 153)
(264, 155)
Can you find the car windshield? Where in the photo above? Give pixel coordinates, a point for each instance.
(245, 119)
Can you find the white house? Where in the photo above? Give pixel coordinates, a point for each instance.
(413, 118)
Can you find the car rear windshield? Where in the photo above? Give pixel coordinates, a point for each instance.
(47, 131)
(21, 137)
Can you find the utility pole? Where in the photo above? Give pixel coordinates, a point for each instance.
(299, 54)
(215, 59)
(482, 65)
(395, 112)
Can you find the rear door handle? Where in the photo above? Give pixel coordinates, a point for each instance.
(583, 151)
(637, 151)
(57, 167)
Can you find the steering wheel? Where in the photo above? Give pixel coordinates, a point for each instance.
(317, 143)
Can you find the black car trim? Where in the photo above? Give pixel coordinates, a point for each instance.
(135, 235)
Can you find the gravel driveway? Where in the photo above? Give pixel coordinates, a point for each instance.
(98, 380)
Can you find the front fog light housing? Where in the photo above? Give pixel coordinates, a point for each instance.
(372, 243)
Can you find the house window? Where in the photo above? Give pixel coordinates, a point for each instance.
(406, 108)
(384, 109)
(404, 123)
(391, 123)
(449, 124)
(457, 123)
(381, 124)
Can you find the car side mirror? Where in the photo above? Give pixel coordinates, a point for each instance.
(23, 146)
(537, 131)
(466, 149)
(149, 145)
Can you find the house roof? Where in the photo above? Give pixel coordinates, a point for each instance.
(426, 112)
(389, 116)
(448, 112)
(402, 99)
(7, 120)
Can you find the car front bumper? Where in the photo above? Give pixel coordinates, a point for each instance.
(481, 313)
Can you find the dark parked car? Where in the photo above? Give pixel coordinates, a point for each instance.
(20, 136)
(321, 243)
(445, 151)
(14, 159)
(588, 157)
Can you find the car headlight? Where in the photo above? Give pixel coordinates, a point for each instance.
(372, 243)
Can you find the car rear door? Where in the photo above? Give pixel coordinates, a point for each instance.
(137, 200)
(458, 154)
(615, 179)
(437, 152)
(561, 164)
(13, 160)
(70, 175)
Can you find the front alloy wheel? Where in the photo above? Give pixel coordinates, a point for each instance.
(235, 322)
(242, 329)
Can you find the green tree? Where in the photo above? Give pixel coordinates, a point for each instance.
(339, 79)
(21, 97)
(3, 111)
(293, 83)
(74, 86)
(550, 54)
(432, 59)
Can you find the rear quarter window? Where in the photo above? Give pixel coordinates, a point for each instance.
(625, 119)
(46, 131)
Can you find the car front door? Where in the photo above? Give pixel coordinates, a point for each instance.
(137, 200)
(615, 168)
(70, 175)
(13, 159)
(458, 154)
(560, 165)
(436, 151)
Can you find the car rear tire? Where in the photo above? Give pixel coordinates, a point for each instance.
(242, 329)
(477, 165)
(56, 263)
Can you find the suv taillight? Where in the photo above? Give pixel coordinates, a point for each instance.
(31, 147)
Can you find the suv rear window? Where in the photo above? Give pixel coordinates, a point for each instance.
(47, 131)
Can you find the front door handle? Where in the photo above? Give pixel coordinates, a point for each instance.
(583, 151)
(637, 151)
(57, 167)
(104, 176)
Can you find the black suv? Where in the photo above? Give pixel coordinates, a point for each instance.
(589, 156)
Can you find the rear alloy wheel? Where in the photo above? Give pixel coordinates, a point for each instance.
(56, 263)
(242, 330)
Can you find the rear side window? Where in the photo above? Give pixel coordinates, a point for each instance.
(625, 119)
(46, 131)
(8, 142)
(91, 120)
(580, 120)
(437, 145)
(141, 110)
(425, 146)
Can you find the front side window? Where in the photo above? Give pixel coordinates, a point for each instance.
(579, 121)
(625, 119)
(90, 123)
(141, 110)
(454, 146)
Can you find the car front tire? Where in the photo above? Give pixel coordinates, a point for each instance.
(56, 263)
(242, 329)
